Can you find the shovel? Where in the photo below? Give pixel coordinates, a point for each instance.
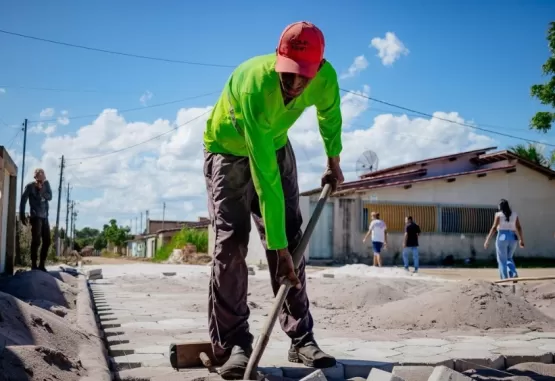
(264, 338)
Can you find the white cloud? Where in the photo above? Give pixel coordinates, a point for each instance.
(147, 95)
(63, 118)
(359, 64)
(170, 168)
(43, 128)
(47, 113)
(2, 90)
(389, 48)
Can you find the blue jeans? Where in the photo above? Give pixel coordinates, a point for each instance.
(406, 252)
(505, 246)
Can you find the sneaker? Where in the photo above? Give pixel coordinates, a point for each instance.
(310, 355)
(234, 368)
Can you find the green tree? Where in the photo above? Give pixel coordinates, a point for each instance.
(116, 235)
(534, 153)
(543, 120)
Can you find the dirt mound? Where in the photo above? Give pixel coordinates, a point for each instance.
(543, 291)
(37, 363)
(23, 324)
(358, 293)
(481, 305)
(39, 285)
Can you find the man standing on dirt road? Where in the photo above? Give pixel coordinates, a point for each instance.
(250, 167)
(38, 193)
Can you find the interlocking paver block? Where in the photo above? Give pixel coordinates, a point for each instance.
(382, 375)
(299, 371)
(413, 350)
(426, 342)
(465, 360)
(515, 356)
(442, 373)
(413, 373)
(434, 360)
(360, 368)
(315, 376)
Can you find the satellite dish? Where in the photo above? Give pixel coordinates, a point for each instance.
(367, 163)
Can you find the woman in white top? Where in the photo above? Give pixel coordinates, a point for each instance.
(509, 233)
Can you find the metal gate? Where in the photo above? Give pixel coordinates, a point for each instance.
(321, 242)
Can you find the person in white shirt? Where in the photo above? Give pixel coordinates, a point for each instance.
(509, 233)
(378, 229)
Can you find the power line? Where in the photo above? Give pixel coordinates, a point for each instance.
(113, 51)
(445, 119)
(13, 140)
(137, 144)
(130, 109)
(60, 90)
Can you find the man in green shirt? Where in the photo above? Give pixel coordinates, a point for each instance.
(250, 168)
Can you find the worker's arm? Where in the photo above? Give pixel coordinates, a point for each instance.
(328, 111)
(264, 168)
(385, 236)
(519, 232)
(24, 199)
(367, 233)
(491, 231)
(46, 191)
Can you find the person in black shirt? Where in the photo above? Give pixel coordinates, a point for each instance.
(38, 193)
(410, 243)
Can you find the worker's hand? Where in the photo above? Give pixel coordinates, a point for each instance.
(333, 174)
(486, 245)
(385, 245)
(521, 243)
(363, 240)
(286, 269)
(23, 219)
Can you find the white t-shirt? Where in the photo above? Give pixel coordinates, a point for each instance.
(504, 224)
(378, 228)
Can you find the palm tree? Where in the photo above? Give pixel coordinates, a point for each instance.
(534, 153)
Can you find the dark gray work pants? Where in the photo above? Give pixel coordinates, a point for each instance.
(231, 200)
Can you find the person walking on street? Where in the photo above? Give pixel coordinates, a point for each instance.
(410, 243)
(250, 168)
(38, 193)
(509, 234)
(378, 229)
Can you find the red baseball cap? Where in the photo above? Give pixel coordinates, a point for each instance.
(300, 50)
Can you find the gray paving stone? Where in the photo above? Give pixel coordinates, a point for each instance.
(472, 339)
(515, 356)
(361, 368)
(471, 347)
(145, 372)
(442, 373)
(373, 354)
(465, 360)
(515, 344)
(542, 342)
(413, 373)
(541, 335)
(435, 360)
(426, 342)
(131, 361)
(413, 350)
(382, 375)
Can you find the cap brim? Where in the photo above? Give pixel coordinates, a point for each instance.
(287, 65)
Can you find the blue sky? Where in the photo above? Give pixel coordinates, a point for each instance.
(476, 58)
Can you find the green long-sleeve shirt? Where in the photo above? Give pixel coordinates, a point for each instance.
(250, 119)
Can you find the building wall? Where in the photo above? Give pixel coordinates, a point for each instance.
(8, 194)
(530, 194)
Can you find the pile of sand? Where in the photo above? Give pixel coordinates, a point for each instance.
(479, 305)
(42, 341)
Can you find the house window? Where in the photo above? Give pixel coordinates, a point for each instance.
(456, 219)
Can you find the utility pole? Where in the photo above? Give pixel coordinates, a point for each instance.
(74, 229)
(66, 235)
(24, 150)
(136, 226)
(71, 226)
(57, 231)
(146, 223)
(163, 215)
(141, 231)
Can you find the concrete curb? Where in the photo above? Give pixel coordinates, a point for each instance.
(93, 355)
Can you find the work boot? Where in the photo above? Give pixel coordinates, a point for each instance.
(234, 368)
(310, 355)
(34, 267)
(42, 267)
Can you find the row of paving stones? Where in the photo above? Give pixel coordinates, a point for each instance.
(139, 329)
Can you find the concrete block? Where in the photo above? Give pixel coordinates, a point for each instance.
(361, 368)
(413, 350)
(251, 271)
(381, 375)
(442, 373)
(169, 273)
(434, 360)
(139, 360)
(328, 275)
(315, 376)
(515, 356)
(413, 373)
(468, 360)
(93, 272)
